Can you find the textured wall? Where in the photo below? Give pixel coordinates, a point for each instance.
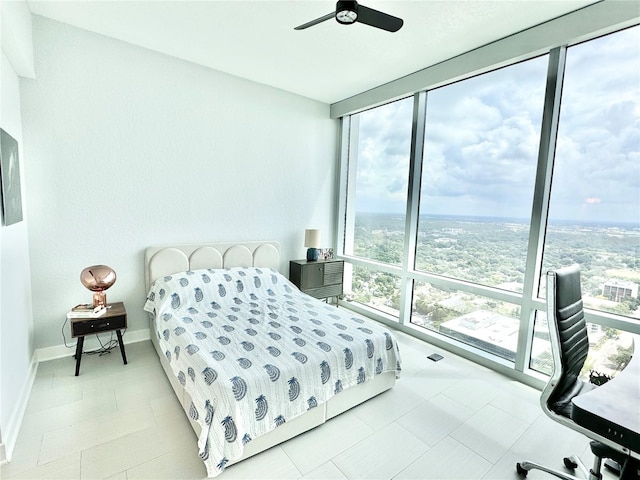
(129, 148)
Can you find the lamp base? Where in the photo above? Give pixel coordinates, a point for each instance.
(99, 299)
(312, 254)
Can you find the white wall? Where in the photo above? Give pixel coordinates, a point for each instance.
(15, 36)
(17, 362)
(128, 148)
(16, 320)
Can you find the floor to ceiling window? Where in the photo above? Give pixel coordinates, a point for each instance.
(594, 209)
(479, 163)
(460, 252)
(480, 153)
(376, 230)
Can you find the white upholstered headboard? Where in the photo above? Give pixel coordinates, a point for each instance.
(169, 259)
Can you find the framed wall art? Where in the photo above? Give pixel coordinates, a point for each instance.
(10, 179)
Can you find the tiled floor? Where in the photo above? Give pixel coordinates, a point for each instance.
(447, 420)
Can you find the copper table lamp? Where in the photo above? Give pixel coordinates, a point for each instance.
(98, 278)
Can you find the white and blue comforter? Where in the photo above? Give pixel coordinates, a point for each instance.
(254, 352)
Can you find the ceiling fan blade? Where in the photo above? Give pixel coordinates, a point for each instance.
(316, 21)
(378, 19)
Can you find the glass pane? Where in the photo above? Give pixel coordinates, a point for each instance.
(609, 349)
(382, 171)
(480, 154)
(594, 210)
(482, 322)
(379, 290)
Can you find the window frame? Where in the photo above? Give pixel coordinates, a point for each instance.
(528, 300)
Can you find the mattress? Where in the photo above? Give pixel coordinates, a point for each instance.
(253, 353)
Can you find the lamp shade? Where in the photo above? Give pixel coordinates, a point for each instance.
(98, 278)
(312, 238)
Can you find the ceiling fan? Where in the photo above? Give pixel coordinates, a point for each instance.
(349, 12)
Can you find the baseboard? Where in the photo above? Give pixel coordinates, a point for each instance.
(10, 436)
(90, 343)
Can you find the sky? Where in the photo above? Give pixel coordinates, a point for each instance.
(482, 139)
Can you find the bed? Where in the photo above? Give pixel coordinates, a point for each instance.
(253, 360)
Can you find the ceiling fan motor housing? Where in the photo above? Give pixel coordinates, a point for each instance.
(349, 12)
(346, 12)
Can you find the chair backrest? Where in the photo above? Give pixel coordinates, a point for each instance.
(568, 339)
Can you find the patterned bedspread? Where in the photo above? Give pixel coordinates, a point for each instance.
(254, 352)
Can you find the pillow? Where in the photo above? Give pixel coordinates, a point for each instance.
(209, 287)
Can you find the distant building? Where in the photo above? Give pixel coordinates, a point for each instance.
(487, 330)
(618, 290)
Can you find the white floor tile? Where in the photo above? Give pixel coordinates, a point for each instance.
(51, 366)
(67, 467)
(133, 394)
(93, 432)
(433, 378)
(548, 442)
(109, 458)
(381, 455)
(505, 469)
(272, 464)
(44, 396)
(165, 405)
(316, 447)
(119, 476)
(447, 460)
(25, 455)
(435, 418)
(181, 463)
(58, 443)
(471, 392)
(490, 432)
(326, 471)
(524, 407)
(67, 414)
(387, 407)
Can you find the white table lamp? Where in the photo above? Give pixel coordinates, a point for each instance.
(312, 242)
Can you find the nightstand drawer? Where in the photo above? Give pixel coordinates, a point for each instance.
(325, 292)
(87, 326)
(114, 319)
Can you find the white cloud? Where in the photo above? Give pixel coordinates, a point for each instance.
(482, 139)
(598, 148)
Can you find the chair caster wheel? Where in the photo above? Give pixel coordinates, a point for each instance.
(520, 470)
(570, 464)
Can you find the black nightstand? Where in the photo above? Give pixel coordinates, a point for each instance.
(114, 319)
(321, 279)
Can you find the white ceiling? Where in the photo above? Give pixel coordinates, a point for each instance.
(328, 62)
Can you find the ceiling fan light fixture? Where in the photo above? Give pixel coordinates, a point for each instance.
(346, 12)
(349, 12)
